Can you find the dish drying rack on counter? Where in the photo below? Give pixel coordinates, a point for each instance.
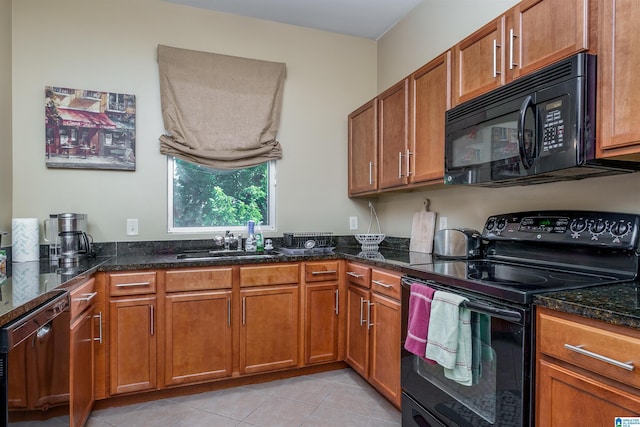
(307, 243)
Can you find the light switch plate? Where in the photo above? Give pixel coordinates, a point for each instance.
(443, 223)
(353, 223)
(132, 227)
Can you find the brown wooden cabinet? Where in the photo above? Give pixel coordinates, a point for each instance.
(133, 331)
(393, 136)
(269, 327)
(479, 62)
(574, 384)
(530, 36)
(322, 312)
(619, 80)
(373, 328)
(198, 328)
(363, 149)
(430, 98)
(541, 32)
(82, 353)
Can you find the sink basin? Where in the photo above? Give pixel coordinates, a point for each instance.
(225, 254)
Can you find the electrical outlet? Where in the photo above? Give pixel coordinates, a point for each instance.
(132, 227)
(353, 223)
(443, 222)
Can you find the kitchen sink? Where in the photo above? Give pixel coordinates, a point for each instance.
(216, 254)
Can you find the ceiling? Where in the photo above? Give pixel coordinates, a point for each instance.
(361, 18)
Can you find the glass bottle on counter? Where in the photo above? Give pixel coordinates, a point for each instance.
(259, 237)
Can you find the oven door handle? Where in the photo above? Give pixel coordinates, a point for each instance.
(501, 313)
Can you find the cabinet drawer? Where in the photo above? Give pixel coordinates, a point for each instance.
(82, 297)
(132, 283)
(386, 283)
(321, 271)
(264, 275)
(198, 279)
(554, 333)
(358, 274)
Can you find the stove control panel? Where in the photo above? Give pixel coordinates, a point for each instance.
(590, 228)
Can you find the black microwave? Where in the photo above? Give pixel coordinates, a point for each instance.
(539, 128)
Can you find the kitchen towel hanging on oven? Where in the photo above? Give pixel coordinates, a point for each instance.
(420, 300)
(449, 338)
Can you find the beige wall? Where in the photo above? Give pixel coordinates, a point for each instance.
(6, 155)
(427, 31)
(111, 45)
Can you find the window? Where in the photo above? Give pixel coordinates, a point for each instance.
(203, 199)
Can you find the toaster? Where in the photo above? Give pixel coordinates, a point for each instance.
(461, 243)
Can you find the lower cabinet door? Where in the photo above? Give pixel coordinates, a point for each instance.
(197, 336)
(321, 323)
(358, 316)
(81, 369)
(565, 397)
(269, 328)
(132, 344)
(384, 373)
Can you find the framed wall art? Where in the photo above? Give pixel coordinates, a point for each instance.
(88, 129)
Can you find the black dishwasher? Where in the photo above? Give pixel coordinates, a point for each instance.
(34, 363)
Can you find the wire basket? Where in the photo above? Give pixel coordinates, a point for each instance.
(369, 241)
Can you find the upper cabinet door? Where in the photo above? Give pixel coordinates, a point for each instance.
(478, 62)
(430, 99)
(619, 80)
(363, 149)
(393, 134)
(541, 32)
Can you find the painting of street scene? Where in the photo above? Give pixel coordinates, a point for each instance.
(88, 129)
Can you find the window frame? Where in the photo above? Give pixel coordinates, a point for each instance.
(210, 230)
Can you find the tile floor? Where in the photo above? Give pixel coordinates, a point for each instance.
(333, 399)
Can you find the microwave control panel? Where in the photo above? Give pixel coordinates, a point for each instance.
(553, 126)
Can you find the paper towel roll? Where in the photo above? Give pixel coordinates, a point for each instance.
(25, 281)
(25, 237)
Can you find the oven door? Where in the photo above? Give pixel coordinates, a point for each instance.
(500, 394)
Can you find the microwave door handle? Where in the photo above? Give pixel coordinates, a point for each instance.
(526, 162)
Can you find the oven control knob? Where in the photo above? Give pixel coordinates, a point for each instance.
(491, 223)
(502, 223)
(578, 225)
(620, 228)
(598, 227)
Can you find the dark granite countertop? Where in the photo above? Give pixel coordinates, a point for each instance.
(618, 304)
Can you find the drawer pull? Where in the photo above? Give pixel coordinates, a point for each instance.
(579, 349)
(87, 297)
(354, 274)
(313, 273)
(126, 285)
(378, 282)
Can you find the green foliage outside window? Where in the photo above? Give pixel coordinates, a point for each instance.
(206, 197)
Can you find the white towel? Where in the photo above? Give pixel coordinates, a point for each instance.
(449, 337)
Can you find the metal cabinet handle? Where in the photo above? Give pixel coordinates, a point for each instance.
(244, 306)
(369, 324)
(512, 36)
(495, 58)
(126, 285)
(370, 173)
(314, 273)
(378, 282)
(228, 311)
(152, 322)
(579, 349)
(88, 297)
(99, 317)
(354, 274)
(408, 163)
(400, 165)
(337, 300)
(362, 300)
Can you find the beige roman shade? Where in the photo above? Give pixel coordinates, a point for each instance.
(218, 110)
